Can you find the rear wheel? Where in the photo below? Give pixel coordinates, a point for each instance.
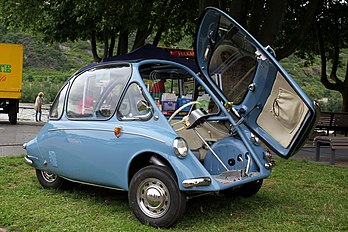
(154, 196)
(250, 189)
(12, 113)
(49, 180)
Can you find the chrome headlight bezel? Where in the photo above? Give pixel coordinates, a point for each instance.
(180, 147)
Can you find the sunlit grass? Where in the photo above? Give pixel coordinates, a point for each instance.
(299, 196)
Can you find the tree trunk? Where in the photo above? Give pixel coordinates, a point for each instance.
(340, 86)
(144, 27)
(258, 13)
(158, 35)
(297, 39)
(94, 47)
(112, 43)
(106, 43)
(141, 36)
(239, 11)
(122, 47)
(273, 19)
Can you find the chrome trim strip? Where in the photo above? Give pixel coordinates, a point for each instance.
(95, 185)
(142, 135)
(203, 181)
(94, 129)
(107, 130)
(27, 160)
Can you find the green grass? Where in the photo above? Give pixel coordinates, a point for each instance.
(299, 196)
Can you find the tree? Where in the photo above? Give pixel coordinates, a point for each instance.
(104, 21)
(280, 23)
(327, 37)
(332, 35)
(294, 26)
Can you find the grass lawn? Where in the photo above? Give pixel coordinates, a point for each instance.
(299, 196)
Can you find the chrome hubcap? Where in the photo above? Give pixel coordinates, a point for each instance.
(153, 197)
(48, 176)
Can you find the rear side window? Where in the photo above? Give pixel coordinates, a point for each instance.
(58, 104)
(95, 93)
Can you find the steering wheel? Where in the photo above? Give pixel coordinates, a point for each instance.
(185, 118)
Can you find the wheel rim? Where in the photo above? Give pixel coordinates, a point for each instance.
(48, 176)
(153, 197)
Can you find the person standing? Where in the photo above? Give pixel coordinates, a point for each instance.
(38, 106)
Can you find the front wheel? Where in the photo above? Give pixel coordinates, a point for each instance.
(49, 180)
(154, 196)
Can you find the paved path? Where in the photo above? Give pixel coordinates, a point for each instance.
(27, 113)
(13, 136)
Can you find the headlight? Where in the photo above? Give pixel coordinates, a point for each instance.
(180, 147)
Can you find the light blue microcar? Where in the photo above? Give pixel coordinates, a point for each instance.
(167, 129)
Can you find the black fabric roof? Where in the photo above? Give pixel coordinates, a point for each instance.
(149, 51)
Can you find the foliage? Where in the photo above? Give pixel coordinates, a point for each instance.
(307, 75)
(104, 21)
(69, 57)
(289, 26)
(328, 37)
(299, 196)
(47, 66)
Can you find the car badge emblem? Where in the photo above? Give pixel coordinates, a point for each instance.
(117, 131)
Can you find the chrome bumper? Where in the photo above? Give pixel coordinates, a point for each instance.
(28, 160)
(203, 181)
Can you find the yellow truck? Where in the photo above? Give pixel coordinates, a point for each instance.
(11, 66)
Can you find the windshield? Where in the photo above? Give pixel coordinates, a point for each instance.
(233, 62)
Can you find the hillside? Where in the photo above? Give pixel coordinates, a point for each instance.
(308, 77)
(47, 66)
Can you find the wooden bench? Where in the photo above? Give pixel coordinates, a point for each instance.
(335, 143)
(331, 121)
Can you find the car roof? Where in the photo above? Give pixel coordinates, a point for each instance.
(144, 53)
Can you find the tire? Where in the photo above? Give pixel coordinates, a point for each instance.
(246, 190)
(12, 113)
(250, 189)
(154, 197)
(49, 180)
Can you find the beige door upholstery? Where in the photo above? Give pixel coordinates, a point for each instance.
(283, 113)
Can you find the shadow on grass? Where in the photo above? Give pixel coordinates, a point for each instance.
(101, 195)
(200, 210)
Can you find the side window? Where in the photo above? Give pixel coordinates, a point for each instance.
(57, 106)
(94, 94)
(134, 105)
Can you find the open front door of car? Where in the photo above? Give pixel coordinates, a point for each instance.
(266, 99)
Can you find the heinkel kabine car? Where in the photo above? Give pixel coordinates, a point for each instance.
(168, 129)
